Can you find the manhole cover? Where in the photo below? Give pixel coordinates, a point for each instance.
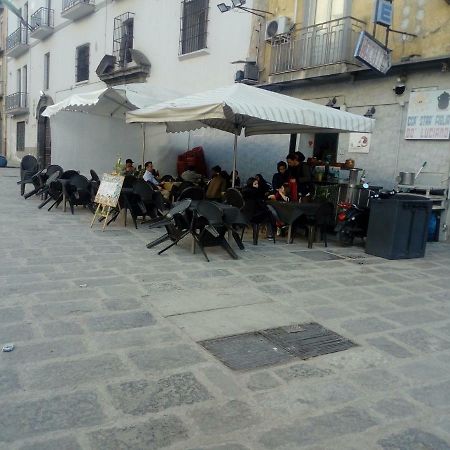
(246, 351)
(312, 340)
(277, 345)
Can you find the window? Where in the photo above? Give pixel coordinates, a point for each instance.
(24, 79)
(123, 38)
(194, 22)
(47, 71)
(20, 137)
(19, 80)
(82, 63)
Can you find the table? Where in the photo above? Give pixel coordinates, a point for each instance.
(290, 212)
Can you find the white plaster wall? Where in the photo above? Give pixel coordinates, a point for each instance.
(157, 33)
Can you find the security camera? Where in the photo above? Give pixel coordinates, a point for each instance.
(399, 89)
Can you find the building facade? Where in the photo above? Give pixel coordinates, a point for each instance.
(74, 46)
(311, 55)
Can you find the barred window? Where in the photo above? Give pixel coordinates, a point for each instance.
(194, 24)
(82, 63)
(20, 136)
(123, 38)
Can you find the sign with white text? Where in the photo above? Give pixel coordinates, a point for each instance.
(428, 115)
(384, 13)
(373, 53)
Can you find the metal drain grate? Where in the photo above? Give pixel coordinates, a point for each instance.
(277, 345)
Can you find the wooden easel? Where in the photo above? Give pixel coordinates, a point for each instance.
(102, 211)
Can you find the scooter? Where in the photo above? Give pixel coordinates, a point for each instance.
(353, 220)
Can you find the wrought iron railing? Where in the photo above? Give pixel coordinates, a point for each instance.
(18, 100)
(318, 45)
(67, 4)
(20, 36)
(43, 17)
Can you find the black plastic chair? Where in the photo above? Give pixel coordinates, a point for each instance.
(234, 198)
(257, 213)
(28, 167)
(51, 190)
(40, 178)
(177, 225)
(193, 192)
(79, 193)
(322, 219)
(152, 202)
(95, 182)
(210, 228)
(57, 190)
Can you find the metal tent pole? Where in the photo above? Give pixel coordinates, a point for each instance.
(234, 160)
(143, 144)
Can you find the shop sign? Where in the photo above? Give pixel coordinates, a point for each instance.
(359, 142)
(372, 53)
(384, 13)
(428, 115)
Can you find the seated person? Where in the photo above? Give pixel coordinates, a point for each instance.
(150, 178)
(129, 168)
(237, 180)
(191, 176)
(255, 209)
(281, 194)
(217, 185)
(281, 176)
(263, 186)
(226, 177)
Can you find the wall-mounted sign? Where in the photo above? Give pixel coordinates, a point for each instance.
(383, 14)
(428, 115)
(359, 142)
(373, 53)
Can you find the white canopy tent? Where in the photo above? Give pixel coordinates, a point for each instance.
(90, 127)
(257, 111)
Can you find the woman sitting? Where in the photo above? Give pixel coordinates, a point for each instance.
(281, 176)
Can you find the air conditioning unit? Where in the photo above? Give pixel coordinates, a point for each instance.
(249, 74)
(280, 25)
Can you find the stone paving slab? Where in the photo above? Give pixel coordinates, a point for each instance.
(106, 353)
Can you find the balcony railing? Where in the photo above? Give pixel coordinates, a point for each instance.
(76, 9)
(17, 103)
(318, 45)
(17, 42)
(42, 22)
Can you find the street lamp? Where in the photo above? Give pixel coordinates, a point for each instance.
(223, 7)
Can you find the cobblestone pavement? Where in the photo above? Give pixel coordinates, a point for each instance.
(115, 364)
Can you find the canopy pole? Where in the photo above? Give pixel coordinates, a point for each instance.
(233, 180)
(143, 143)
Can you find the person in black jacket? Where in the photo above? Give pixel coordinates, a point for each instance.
(299, 170)
(281, 176)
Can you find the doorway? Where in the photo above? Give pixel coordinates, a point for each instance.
(44, 140)
(325, 146)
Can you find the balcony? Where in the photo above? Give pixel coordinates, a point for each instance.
(17, 104)
(321, 49)
(42, 22)
(76, 9)
(17, 43)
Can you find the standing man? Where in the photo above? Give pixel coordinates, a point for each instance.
(299, 171)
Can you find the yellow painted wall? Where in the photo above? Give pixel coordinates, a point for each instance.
(428, 19)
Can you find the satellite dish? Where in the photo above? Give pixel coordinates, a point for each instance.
(272, 28)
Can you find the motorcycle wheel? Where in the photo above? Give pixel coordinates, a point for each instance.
(346, 236)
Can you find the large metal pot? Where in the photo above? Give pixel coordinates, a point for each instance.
(407, 178)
